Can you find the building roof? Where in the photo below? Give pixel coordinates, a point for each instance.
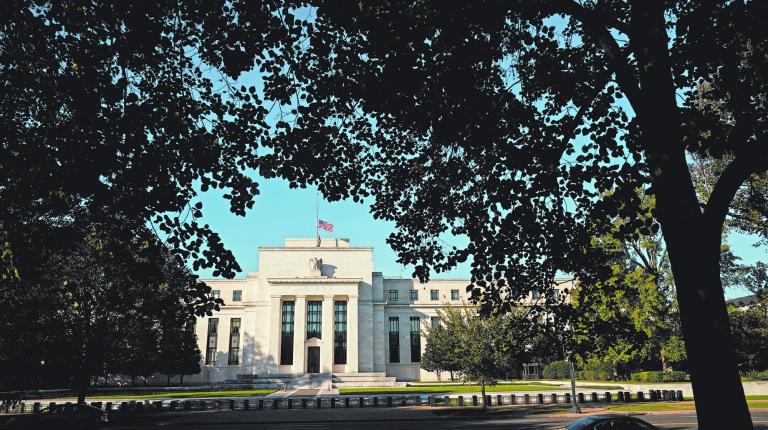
(743, 301)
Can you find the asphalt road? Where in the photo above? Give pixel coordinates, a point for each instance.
(384, 420)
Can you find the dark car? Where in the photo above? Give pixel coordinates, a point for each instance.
(67, 417)
(610, 422)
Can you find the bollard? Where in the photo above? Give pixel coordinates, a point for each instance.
(665, 394)
(461, 401)
(404, 401)
(540, 398)
(318, 403)
(488, 400)
(173, 405)
(620, 396)
(593, 397)
(431, 400)
(275, 403)
(261, 404)
(679, 395)
(446, 401)
(231, 405)
(290, 404)
(376, 402)
(553, 398)
(36, 407)
(652, 395)
(333, 402)
(303, 403)
(580, 397)
(361, 402)
(640, 396)
(568, 398)
(627, 396)
(474, 400)
(23, 407)
(389, 401)
(608, 397)
(512, 399)
(346, 402)
(246, 404)
(157, 406)
(499, 400)
(527, 399)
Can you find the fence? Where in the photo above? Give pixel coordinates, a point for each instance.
(350, 401)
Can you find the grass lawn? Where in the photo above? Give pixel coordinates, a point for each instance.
(685, 406)
(447, 389)
(180, 394)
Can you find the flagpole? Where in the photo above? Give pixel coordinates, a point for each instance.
(317, 218)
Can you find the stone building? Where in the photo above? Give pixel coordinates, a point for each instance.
(321, 310)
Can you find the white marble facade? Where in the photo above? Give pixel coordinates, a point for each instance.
(301, 280)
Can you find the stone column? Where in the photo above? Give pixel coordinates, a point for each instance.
(299, 335)
(326, 350)
(352, 335)
(275, 311)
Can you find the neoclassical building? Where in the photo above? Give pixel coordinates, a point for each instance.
(321, 309)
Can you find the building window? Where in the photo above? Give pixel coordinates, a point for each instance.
(435, 321)
(415, 340)
(286, 334)
(454, 294)
(210, 348)
(314, 319)
(394, 339)
(393, 295)
(237, 295)
(216, 294)
(340, 332)
(234, 341)
(433, 295)
(414, 295)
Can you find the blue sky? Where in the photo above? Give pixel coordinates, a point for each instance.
(281, 212)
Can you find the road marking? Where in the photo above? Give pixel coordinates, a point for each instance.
(298, 426)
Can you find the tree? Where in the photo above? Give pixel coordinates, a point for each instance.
(95, 309)
(507, 123)
(482, 349)
(441, 353)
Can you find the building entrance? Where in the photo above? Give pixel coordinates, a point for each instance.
(313, 359)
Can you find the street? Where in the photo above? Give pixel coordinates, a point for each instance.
(371, 419)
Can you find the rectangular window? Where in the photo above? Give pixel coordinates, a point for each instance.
(234, 341)
(394, 339)
(314, 319)
(433, 295)
(216, 294)
(435, 321)
(454, 294)
(237, 295)
(393, 296)
(340, 332)
(210, 346)
(286, 333)
(414, 295)
(415, 340)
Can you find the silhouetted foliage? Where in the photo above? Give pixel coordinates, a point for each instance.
(527, 126)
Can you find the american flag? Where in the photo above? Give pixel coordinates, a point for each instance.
(325, 225)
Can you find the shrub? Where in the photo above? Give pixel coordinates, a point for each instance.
(757, 375)
(556, 370)
(659, 376)
(592, 375)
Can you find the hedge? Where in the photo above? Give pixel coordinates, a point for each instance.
(659, 376)
(556, 370)
(593, 375)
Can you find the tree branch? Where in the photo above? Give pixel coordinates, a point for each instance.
(726, 187)
(597, 25)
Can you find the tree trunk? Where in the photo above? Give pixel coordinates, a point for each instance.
(692, 238)
(485, 399)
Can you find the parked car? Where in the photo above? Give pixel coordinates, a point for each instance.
(67, 417)
(610, 422)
